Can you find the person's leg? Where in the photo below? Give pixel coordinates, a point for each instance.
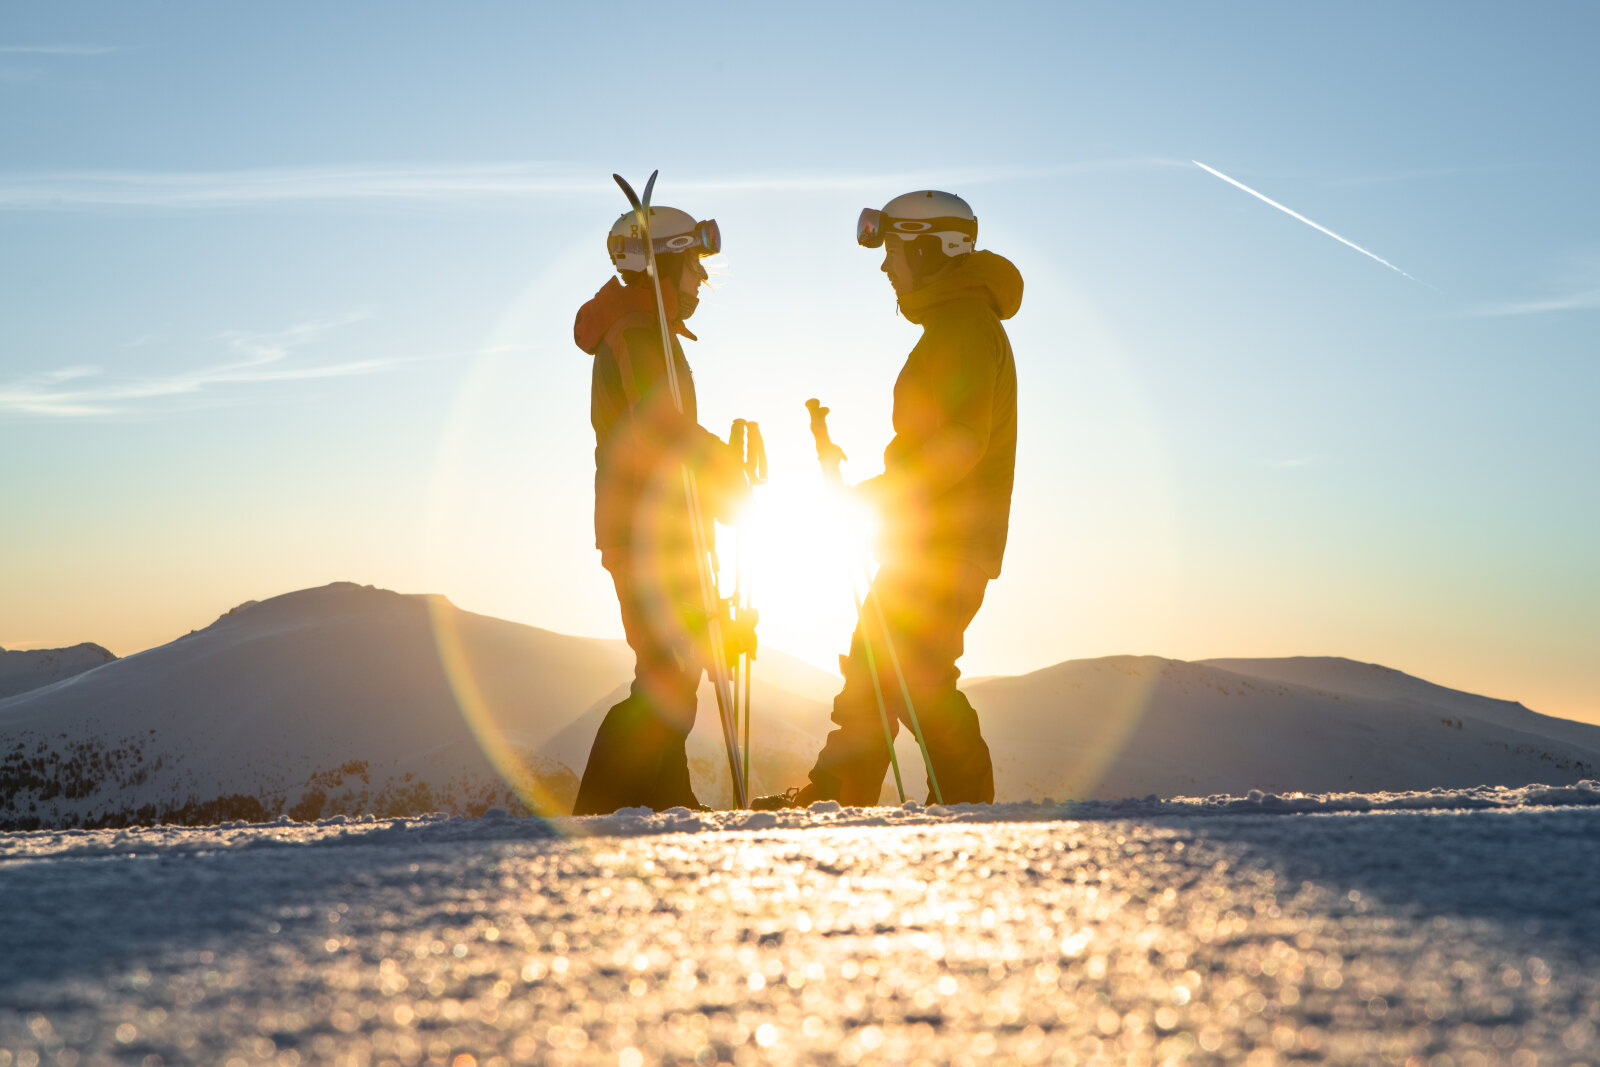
(939, 600)
(638, 757)
(855, 756)
(625, 760)
(957, 749)
(928, 607)
(676, 690)
(671, 787)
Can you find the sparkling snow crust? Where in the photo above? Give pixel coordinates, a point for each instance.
(1450, 927)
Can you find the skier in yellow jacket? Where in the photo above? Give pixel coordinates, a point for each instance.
(944, 502)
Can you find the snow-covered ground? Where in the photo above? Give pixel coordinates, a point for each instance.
(1450, 927)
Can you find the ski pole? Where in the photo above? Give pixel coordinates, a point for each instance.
(830, 455)
(739, 439)
(911, 710)
(746, 437)
(819, 415)
(705, 563)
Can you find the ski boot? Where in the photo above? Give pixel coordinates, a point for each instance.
(789, 798)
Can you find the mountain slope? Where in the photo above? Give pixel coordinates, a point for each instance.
(1338, 675)
(337, 700)
(315, 702)
(1134, 725)
(21, 671)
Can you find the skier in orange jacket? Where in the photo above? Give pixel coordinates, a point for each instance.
(643, 526)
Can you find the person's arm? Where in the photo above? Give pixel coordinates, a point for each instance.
(643, 368)
(663, 430)
(943, 414)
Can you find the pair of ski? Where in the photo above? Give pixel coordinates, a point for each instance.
(724, 676)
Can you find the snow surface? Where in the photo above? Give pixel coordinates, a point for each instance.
(351, 700)
(1452, 927)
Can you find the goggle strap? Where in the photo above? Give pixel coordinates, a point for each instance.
(919, 226)
(873, 227)
(705, 237)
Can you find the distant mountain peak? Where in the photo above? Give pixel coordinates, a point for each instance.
(337, 596)
(24, 670)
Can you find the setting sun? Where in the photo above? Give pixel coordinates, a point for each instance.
(801, 545)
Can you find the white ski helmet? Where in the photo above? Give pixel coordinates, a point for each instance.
(671, 230)
(926, 212)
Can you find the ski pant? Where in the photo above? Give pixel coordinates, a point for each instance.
(928, 604)
(638, 757)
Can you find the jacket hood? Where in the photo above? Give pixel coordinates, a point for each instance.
(616, 301)
(983, 274)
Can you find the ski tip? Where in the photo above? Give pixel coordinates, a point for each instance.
(650, 185)
(627, 190)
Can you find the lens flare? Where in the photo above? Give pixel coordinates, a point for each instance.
(491, 720)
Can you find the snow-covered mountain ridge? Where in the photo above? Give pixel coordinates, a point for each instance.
(22, 670)
(350, 700)
(1136, 725)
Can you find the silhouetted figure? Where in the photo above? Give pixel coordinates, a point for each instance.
(642, 521)
(944, 501)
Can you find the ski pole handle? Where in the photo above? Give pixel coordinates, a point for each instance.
(745, 437)
(829, 454)
(755, 454)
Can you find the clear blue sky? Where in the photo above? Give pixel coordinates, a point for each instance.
(286, 294)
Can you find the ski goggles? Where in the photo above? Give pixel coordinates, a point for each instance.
(704, 240)
(873, 226)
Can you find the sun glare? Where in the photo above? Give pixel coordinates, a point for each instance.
(716, 271)
(796, 552)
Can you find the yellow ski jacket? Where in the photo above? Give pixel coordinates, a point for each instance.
(948, 472)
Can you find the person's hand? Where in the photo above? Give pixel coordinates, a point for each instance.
(731, 483)
(872, 503)
(875, 495)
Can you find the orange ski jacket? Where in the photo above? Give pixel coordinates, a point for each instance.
(641, 439)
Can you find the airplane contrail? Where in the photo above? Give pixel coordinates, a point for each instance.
(1308, 222)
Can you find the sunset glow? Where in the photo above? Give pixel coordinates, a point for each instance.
(248, 347)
